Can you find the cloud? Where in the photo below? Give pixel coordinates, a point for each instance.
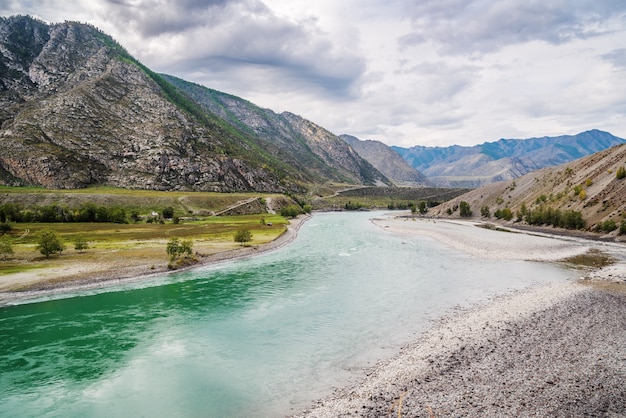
(617, 58)
(222, 36)
(483, 26)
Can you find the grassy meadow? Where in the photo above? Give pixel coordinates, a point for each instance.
(114, 248)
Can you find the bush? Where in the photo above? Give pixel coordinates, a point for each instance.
(484, 212)
(6, 247)
(80, 243)
(5, 228)
(168, 212)
(290, 211)
(620, 173)
(464, 209)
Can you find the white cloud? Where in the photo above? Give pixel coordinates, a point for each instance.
(406, 72)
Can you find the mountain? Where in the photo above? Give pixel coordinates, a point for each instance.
(387, 161)
(76, 109)
(590, 185)
(287, 137)
(505, 159)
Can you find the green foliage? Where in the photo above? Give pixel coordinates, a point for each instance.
(356, 206)
(484, 212)
(622, 227)
(620, 173)
(5, 228)
(49, 243)
(568, 219)
(606, 226)
(6, 247)
(80, 243)
(243, 235)
(168, 212)
(86, 212)
(464, 209)
(505, 214)
(290, 211)
(175, 248)
(422, 207)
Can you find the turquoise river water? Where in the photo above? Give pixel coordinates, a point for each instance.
(262, 336)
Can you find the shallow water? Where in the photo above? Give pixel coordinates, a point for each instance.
(263, 336)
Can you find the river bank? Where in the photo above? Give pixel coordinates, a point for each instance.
(115, 271)
(556, 350)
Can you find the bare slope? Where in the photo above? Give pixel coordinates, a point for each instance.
(588, 185)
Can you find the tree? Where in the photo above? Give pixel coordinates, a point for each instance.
(176, 248)
(243, 235)
(465, 210)
(80, 243)
(173, 247)
(6, 247)
(168, 212)
(49, 243)
(422, 207)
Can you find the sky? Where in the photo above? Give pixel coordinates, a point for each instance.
(403, 72)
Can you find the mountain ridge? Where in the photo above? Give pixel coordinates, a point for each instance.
(505, 159)
(77, 110)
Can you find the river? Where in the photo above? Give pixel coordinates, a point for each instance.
(263, 336)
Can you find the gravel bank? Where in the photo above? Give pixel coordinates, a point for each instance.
(551, 351)
(555, 351)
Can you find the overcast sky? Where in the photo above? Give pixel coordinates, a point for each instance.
(404, 72)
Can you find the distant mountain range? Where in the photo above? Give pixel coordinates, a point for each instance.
(460, 166)
(76, 109)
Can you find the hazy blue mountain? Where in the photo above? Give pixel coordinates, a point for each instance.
(462, 166)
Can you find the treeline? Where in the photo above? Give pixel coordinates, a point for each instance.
(568, 219)
(86, 212)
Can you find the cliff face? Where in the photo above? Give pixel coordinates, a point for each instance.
(76, 109)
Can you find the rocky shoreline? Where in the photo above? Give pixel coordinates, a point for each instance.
(557, 351)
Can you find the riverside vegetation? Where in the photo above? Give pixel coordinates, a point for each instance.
(49, 237)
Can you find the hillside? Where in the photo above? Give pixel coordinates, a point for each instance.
(387, 161)
(589, 185)
(77, 110)
(505, 159)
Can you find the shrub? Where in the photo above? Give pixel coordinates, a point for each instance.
(465, 210)
(168, 212)
(290, 211)
(80, 243)
(6, 248)
(620, 173)
(484, 212)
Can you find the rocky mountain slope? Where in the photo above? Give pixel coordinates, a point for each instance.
(289, 138)
(505, 159)
(591, 185)
(387, 161)
(76, 110)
